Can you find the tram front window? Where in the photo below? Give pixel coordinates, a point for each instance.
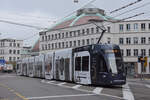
(112, 62)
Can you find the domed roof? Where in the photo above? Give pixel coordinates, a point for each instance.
(83, 16)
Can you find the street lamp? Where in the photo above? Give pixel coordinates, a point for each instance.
(93, 21)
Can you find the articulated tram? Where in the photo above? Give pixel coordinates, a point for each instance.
(97, 64)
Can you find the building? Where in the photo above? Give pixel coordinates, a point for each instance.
(133, 36)
(10, 49)
(25, 52)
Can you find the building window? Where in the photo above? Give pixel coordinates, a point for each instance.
(45, 38)
(83, 31)
(97, 29)
(128, 40)
(14, 59)
(149, 40)
(42, 38)
(128, 27)
(49, 37)
(121, 27)
(62, 35)
(71, 34)
(128, 52)
(74, 33)
(143, 40)
(87, 41)
(18, 51)
(45, 47)
(66, 34)
(59, 36)
(143, 52)
(149, 26)
(70, 43)
(78, 42)
(10, 51)
(18, 45)
(10, 58)
(83, 42)
(42, 47)
(18, 58)
(14, 52)
(92, 30)
(78, 31)
(55, 36)
(122, 52)
(135, 40)
(10, 44)
(59, 45)
(74, 43)
(66, 44)
(87, 30)
(135, 52)
(52, 37)
(108, 40)
(143, 26)
(108, 29)
(49, 46)
(135, 26)
(56, 45)
(92, 40)
(14, 44)
(149, 52)
(120, 40)
(63, 44)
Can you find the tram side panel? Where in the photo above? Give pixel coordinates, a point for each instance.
(19, 67)
(63, 65)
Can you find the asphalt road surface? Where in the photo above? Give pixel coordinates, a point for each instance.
(14, 87)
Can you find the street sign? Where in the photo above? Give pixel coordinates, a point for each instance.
(2, 62)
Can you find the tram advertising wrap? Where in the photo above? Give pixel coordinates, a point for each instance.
(97, 64)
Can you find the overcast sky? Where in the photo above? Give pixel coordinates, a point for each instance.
(43, 13)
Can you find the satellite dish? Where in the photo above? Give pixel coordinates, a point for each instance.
(76, 1)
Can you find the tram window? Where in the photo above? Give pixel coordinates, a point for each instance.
(18, 66)
(85, 63)
(61, 65)
(67, 60)
(78, 63)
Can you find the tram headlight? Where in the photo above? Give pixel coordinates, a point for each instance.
(104, 76)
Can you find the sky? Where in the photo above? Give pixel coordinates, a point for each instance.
(44, 13)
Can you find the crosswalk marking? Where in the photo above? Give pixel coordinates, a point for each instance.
(61, 83)
(147, 85)
(127, 94)
(97, 90)
(76, 86)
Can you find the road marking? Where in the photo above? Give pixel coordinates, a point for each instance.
(87, 91)
(60, 96)
(147, 85)
(76, 86)
(19, 95)
(97, 90)
(127, 94)
(61, 83)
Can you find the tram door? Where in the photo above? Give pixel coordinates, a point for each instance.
(82, 67)
(48, 66)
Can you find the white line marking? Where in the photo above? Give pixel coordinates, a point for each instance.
(60, 96)
(87, 91)
(97, 90)
(127, 94)
(76, 86)
(147, 85)
(61, 83)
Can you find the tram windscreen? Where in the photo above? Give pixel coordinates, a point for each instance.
(112, 62)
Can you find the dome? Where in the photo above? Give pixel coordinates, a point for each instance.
(82, 17)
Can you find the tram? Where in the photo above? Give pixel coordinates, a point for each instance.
(96, 64)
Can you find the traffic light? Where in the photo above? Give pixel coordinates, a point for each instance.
(145, 61)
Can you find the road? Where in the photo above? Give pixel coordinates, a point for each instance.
(14, 87)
